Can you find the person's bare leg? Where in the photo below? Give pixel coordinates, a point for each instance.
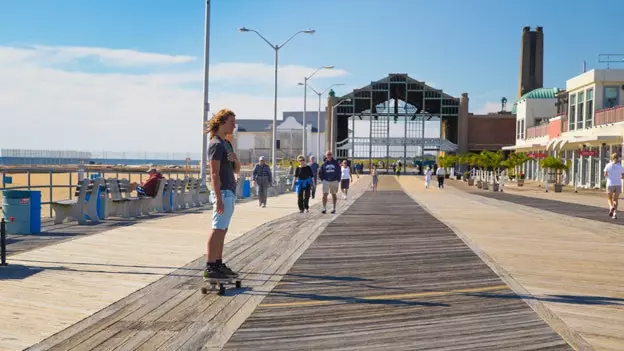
(334, 199)
(214, 249)
(610, 200)
(616, 201)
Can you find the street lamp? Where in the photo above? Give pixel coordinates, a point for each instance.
(318, 117)
(276, 49)
(305, 98)
(204, 156)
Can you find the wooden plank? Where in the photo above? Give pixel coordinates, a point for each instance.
(388, 274)
(174, 304)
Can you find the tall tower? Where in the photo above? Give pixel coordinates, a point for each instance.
(531, 60)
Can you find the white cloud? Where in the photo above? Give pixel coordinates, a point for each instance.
(115, 57)
(46, 107)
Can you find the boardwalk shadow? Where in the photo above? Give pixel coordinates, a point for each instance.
(320, 277)
(18, 272)
(567, 299)
(356, 300)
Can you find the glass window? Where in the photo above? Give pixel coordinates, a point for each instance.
(579, 120)
(590, 94)
(610, 96)
(573, 99)
(572, 120)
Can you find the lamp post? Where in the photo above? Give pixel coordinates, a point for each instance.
(276, 49)
(305, 100)
(204, 156)
(318, 117)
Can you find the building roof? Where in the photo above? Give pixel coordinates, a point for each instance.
(311, 118)
(254, 125)
(539, 93)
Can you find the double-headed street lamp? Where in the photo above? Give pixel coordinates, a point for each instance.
(276, 48)
(305, 98)
(318, 117)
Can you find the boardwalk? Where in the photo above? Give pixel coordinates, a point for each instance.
(386, 274)
(561, 207)
(382, 272)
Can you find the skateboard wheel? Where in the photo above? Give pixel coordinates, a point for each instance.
(204, 291)
(238, 284)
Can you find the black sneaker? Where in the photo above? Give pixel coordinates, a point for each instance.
(324, 211)
(333, 211)
(227, 271)
(214, 272)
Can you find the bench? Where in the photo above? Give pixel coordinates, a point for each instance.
(79, 208)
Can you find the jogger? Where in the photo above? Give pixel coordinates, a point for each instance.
(614, 173)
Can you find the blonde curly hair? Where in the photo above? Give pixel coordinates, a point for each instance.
(218, 120)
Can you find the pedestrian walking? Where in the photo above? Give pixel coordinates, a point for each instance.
(345, 178)
(262, 180)
(329, 175)
(314, 167)
(428, 174)
(223, 165)
(440, 172)
(302, 184)
(375, 177)
(614, 173)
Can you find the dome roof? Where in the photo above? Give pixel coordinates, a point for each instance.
(539, 93)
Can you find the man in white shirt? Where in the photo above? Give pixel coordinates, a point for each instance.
(614, 173)
(441, 173)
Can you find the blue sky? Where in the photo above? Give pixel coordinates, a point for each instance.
(459, 46)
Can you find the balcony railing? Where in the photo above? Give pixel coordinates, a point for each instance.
(609, 115)
(537, 131)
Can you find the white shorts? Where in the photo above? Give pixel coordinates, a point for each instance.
(330, 187)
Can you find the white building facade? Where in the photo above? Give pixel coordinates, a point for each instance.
(585, 128)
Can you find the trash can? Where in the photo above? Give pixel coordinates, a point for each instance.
(246, 188)
(21, 210)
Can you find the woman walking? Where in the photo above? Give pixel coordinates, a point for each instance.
(375, 177)
(302, 184)
(428, 177)
(345, 178)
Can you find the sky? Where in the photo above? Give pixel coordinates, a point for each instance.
(127, 75)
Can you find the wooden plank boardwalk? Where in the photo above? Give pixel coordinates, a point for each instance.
(382, 272)
(56, 233)
(599, 214)
(386, 274)
(172, 314)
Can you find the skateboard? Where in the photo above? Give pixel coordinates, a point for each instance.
(222, 283)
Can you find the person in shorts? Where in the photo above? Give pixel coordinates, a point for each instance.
(345, 178)
(329, 175)
(614, 173)
(314, 167)
(223, 165)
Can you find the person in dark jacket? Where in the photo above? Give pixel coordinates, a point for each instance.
(329, 174)
(302, 184)
(314, 167)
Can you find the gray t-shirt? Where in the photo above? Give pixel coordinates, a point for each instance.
(218, 151)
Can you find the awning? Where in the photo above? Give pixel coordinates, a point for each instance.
(526, 147)
(592, 140)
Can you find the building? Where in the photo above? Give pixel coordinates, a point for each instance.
(488, 132)
(531, 60)
(253, 136)
(586, 126)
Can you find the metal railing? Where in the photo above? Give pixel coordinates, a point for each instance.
(609, 115)
(537, 131)
(60, 183)
(53, 182)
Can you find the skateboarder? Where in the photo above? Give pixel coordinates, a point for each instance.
(223, 165)
(329, 174)
(614, 173)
